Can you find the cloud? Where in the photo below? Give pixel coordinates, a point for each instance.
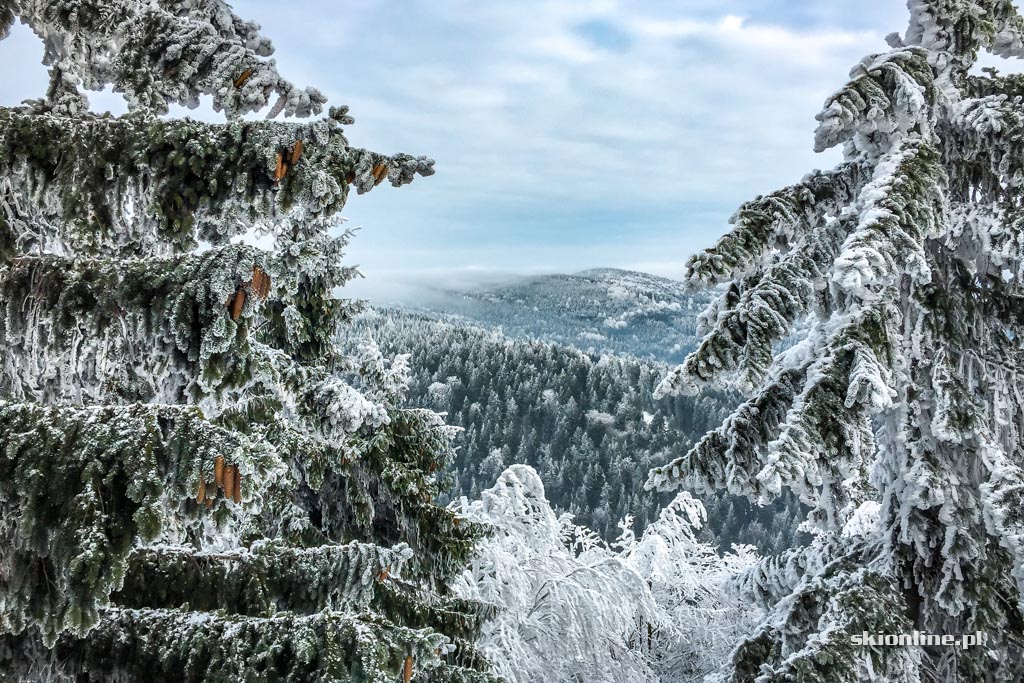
(567, 135)
(773, 42)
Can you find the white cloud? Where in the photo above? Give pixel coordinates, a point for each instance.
(773, 42)
(566, 134)
(567, 48)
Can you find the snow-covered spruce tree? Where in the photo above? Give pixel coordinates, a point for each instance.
(195, 484)
(904, 269)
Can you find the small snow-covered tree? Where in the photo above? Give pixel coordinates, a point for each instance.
(687, 579)
(195, 483)
(570, 608)
(904, 267)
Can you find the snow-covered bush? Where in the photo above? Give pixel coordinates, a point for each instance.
(571, 608)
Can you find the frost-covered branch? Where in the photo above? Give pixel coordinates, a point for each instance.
(747, 321)
(139, 186)
(888, 95)
(323, 646)
(901, 397)
(80, 486)
(158, 53)
(774, 222)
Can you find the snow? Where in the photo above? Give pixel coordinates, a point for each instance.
(908, 372)
(574, 608)
(599, 418)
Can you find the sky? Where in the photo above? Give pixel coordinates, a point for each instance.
(567, 135)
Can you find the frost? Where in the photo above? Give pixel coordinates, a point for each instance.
(895, 413)
(165, 185)
(157, 53)
(196, 482)
(571, 607)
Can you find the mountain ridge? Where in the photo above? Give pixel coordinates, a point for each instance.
(609, 310)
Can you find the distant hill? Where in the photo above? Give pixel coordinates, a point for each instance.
(602, 310)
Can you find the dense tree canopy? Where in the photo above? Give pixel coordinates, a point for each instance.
(586, 422)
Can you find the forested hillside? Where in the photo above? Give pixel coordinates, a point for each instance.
(587, 422)
(603, 310)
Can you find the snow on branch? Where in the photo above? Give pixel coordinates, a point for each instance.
(165, 644)
(743, 329)
(888, 95)
(1003, 506)
(79, 486)
(826, 442)
(732, 455)
(127, 330)
(810, 638)
(984, 147)
(774, 578)
(161, 52)
(266, 578)
(959, 28)
(775, 222)
(143, 186)
(808, 427)
(903, 205)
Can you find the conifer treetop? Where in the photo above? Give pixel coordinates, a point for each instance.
(159, 52)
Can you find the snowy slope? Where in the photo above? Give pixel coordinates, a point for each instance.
(603, 310)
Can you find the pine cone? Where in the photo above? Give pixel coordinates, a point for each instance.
(296, 152)
(237, 304)
(407, 671)
(218, 471)
(229, 481)
(281, 168)
(260, 282)
(201, 493)
(236, 494)
(240, 81)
